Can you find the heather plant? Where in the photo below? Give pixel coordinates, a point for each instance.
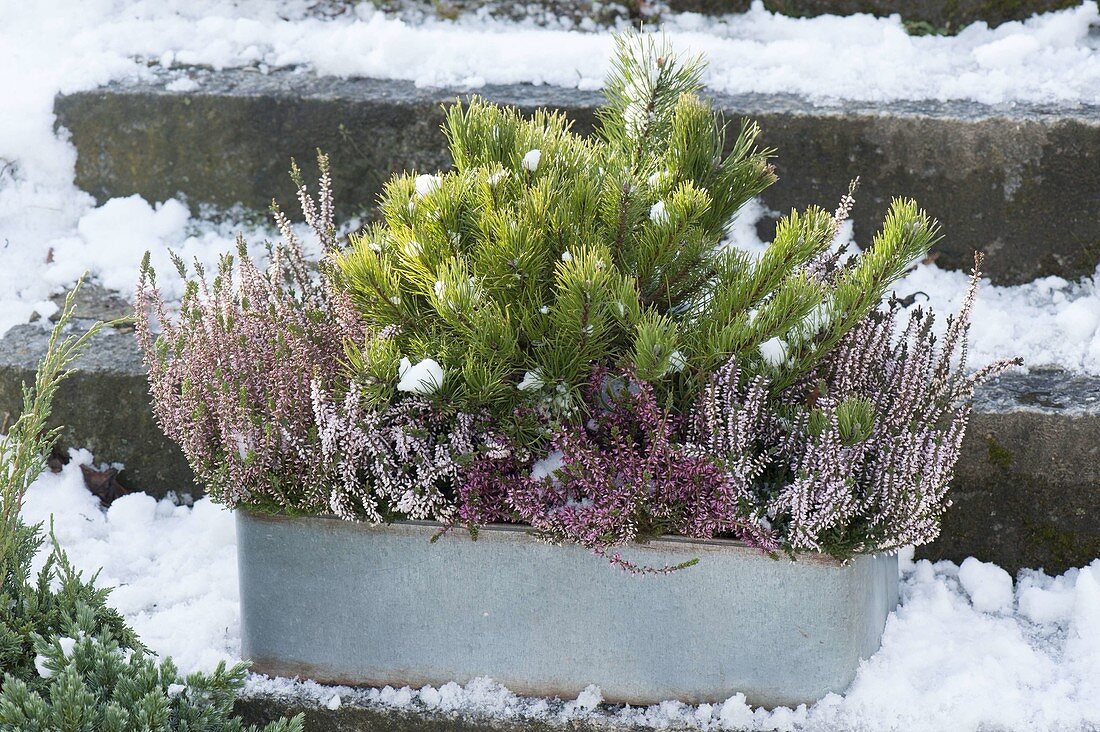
(542, 254)
(232, 375)
(628, 474)
(869, 453)
(856, 457)
(403, 460)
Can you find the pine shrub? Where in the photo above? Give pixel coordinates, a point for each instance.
(542, 253)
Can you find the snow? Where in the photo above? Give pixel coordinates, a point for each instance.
(426, 184)
(1048, 322)
(548, 466)
(67, 645)
(968, 649)
(174, 568)
(531, 380)
(587, 700)
(40, 666)
(774, 351)
(423, 377)
(657, 213)
(1045, 59)
(531, 160)
(989, 586)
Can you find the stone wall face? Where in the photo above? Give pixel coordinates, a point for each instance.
(1019, 182)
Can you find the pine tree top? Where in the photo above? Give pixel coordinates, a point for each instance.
(543, 253)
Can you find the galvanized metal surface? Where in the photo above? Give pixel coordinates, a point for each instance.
(352, 604)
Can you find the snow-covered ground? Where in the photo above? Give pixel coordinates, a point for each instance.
(969, 649)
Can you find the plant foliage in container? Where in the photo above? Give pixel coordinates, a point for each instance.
(556, 333)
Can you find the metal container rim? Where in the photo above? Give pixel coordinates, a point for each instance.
(670, 542)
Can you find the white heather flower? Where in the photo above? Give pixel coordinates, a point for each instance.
(531, 380)
(676, 362)
(422, 378)
(566, 256)
(774, 351)
(531, 160)
(657, 213)
(427, 183)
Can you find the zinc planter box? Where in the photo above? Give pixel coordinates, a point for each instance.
(345, 603)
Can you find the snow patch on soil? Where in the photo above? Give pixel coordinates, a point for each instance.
(968, 649)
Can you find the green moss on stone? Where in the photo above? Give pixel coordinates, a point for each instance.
(999, 455)
(1065, 547)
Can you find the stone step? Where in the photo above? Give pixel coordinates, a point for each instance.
(104, 405)
(1026, 491)
(921, 17)
(264, 708)
(936, 15)
(1021, 182)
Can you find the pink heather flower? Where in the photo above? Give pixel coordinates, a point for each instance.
(231, 376)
